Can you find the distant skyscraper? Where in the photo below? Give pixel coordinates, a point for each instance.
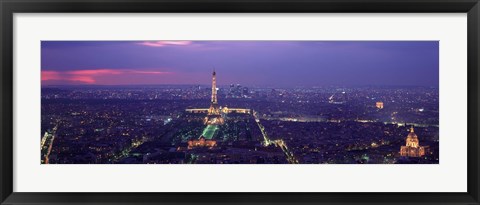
(412, 147)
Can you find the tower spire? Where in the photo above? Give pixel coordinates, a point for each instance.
(214, 114)
(214, 87)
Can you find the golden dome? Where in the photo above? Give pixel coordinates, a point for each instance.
(412, 139)
(412, 135)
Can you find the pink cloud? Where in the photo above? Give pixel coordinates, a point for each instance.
(50, 75)
(149, 72)
(95, 75)
(95, 72)
(81, 79)
(165, 43)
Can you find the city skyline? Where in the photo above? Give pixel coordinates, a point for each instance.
(260, 102)
(256, 63)
(285, 126)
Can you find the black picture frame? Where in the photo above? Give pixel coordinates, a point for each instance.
(9, 7)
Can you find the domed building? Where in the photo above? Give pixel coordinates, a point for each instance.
(412, 147)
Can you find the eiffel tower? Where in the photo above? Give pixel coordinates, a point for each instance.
(214, 116)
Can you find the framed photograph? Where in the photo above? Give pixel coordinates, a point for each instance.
(242, 102)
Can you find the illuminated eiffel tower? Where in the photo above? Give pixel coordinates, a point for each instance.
(215, 113)
(214, 116)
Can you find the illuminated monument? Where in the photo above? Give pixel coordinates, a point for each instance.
(412, 148)
(215, 117)
(215, 112)
(379, 105)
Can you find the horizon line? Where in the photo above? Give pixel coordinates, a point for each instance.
(119, 85)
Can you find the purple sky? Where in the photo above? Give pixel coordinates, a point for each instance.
(272, 63)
